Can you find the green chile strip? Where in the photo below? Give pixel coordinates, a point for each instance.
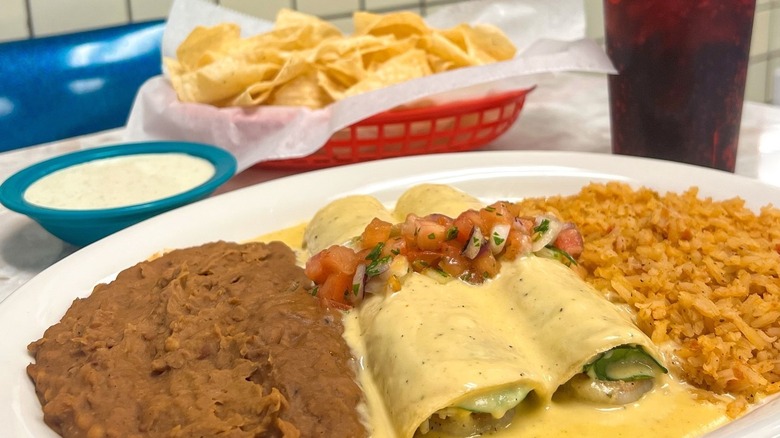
(626, 363)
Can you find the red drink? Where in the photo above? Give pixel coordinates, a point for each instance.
(681, 82)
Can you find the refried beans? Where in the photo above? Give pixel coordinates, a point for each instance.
(217, 340)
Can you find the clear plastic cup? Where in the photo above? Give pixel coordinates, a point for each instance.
(681, 82)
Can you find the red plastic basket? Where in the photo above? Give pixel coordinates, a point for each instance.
(452, 127)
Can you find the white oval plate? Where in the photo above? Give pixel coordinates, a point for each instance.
(255, 210)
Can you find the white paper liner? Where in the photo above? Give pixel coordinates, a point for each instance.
(271, 132)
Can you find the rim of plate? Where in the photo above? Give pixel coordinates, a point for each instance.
(31, 308)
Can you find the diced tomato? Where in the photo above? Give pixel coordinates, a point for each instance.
(335, 260)
(453, 262)
(465, 222)
(440, 219)
(315, 270)
(335, 288)
(409, 230)
(524, 224)
(430, 235)
(340, 259)
(363, 253)
(485, 266)
(434, 241)
(394, 246)
(570, 240)
(376, 232)
(423, 259)
(514, 245)
(497, 213)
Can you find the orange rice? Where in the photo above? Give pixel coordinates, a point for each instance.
(700, 273)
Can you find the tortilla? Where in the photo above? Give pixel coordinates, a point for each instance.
(342, 220)
(436, 347)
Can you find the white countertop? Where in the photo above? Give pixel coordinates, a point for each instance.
(567, 112)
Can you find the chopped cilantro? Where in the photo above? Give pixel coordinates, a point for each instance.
(452, 233)
(561, 255)
(543, 227)
(441, 272)
(373, 269)
(376, 251)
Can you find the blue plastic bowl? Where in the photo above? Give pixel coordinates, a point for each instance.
(82, 227)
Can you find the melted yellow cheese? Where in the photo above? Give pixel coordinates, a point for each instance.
(425, 199)
(428, 347)
(342, 220)
(292, 236)
(670, 409)
(443, 322)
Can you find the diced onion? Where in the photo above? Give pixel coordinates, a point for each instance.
(547, 237)
(396, 270)
(400, 266)
(498, 237)
(476, 240)
(379, 267)
(359, 283)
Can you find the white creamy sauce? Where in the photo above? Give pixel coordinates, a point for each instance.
(119, 181)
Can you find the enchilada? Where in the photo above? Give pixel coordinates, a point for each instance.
(450, 356)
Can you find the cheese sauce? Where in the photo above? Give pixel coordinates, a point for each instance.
(119, 181)
(670, 409)
(292, 237)
(448, 201)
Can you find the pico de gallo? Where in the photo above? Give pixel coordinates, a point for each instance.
(469, 247)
